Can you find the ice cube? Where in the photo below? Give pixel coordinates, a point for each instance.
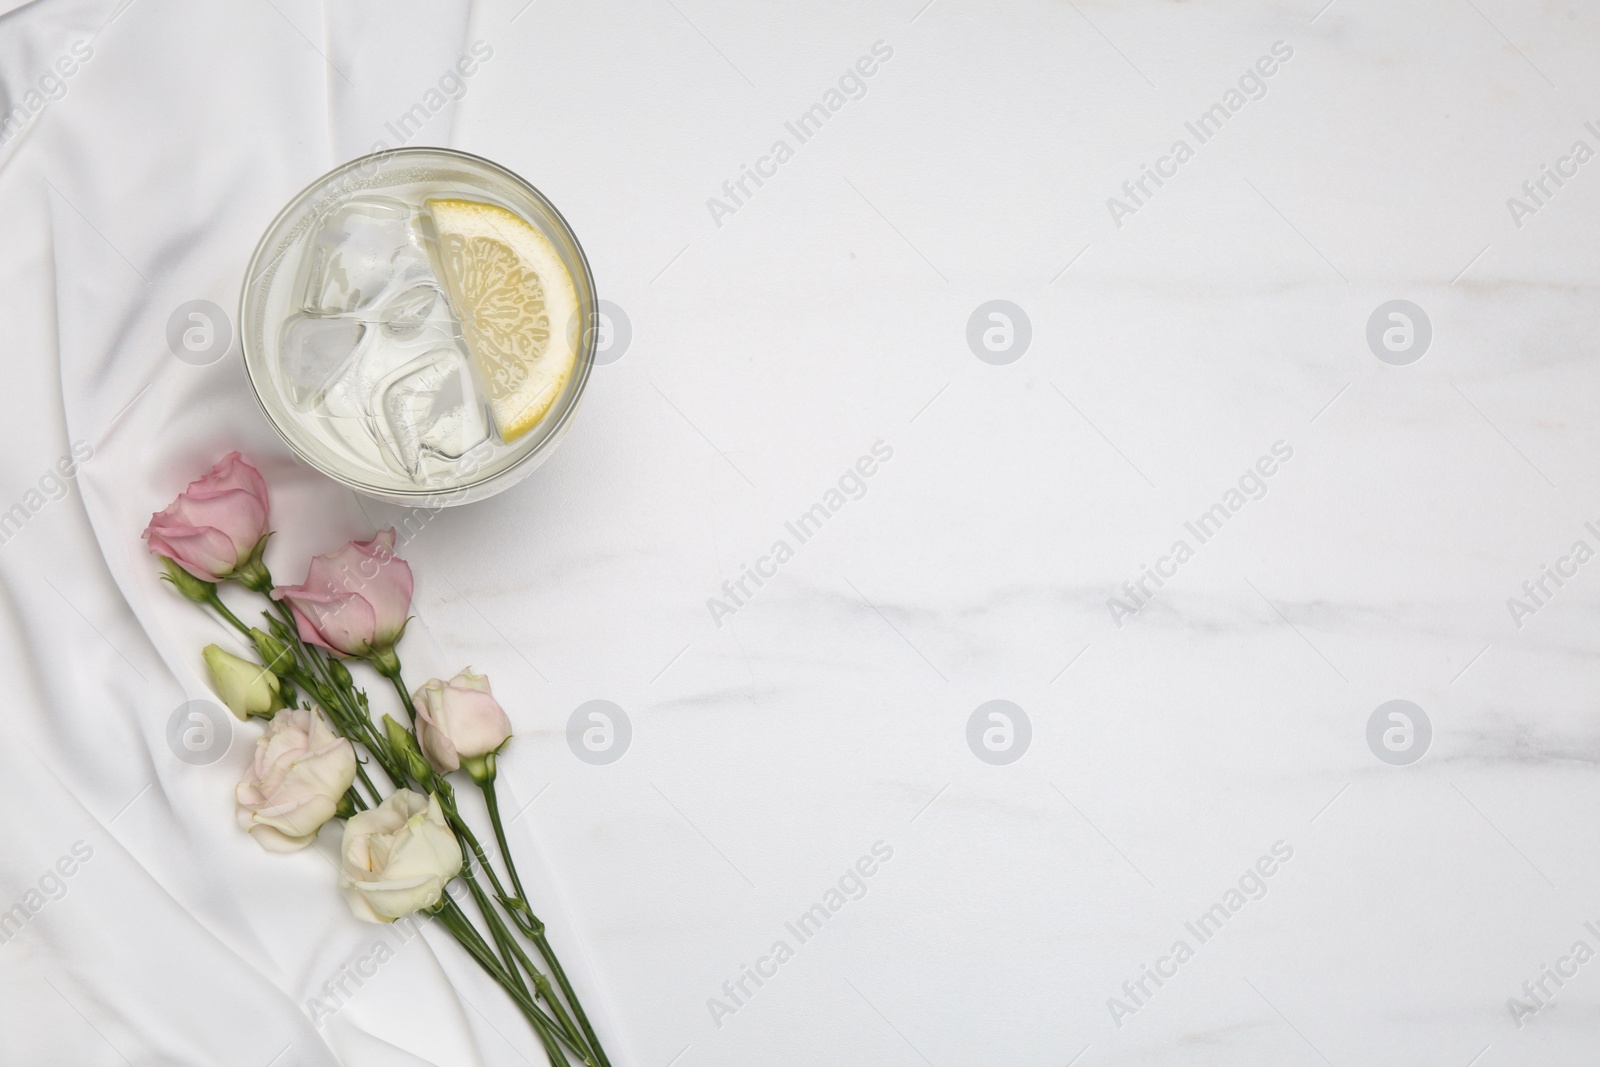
(431, 412)
(366, 248)
(406, 312)
(314, 350)
(357, 389)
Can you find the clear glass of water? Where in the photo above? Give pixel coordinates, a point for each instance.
(353, 346)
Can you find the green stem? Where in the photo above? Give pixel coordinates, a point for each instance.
(492, 802)
(456, 921)
(222, 609)
(368, 734)
(543, 944)
(497, 929)
(542, 985)
(511, 954)
(372, 790)
(509, 945)
(447, 800)
(531, 926)
(405, 697)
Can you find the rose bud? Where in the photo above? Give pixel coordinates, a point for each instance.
(246, 688)
(397, 858)
(459, 723)
(275, 655)
(405, 748)
(217, 527)
(354, 601)
(301, 772)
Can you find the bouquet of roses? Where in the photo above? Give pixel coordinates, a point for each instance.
(322, 757)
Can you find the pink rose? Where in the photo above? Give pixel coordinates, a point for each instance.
(354, 601)
(216, 525)
(459, 721)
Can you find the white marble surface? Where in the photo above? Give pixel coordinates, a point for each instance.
(1170, 752)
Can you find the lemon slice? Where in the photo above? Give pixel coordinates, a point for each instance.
(517, 304)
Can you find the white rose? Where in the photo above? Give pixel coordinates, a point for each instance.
(300, 773)
(396, 858)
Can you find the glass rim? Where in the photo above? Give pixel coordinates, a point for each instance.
(588, 338)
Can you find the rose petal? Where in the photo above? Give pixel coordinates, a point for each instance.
(203, 552)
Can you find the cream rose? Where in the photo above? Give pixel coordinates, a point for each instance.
(459, 722)
(397, 858)
(300, 773)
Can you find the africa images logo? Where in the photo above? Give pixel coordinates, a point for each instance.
(1252, 885)
(851, 885)
(1251, 485)
(851, 485)
(49, 86)
(851, 85)
(1252, 85)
